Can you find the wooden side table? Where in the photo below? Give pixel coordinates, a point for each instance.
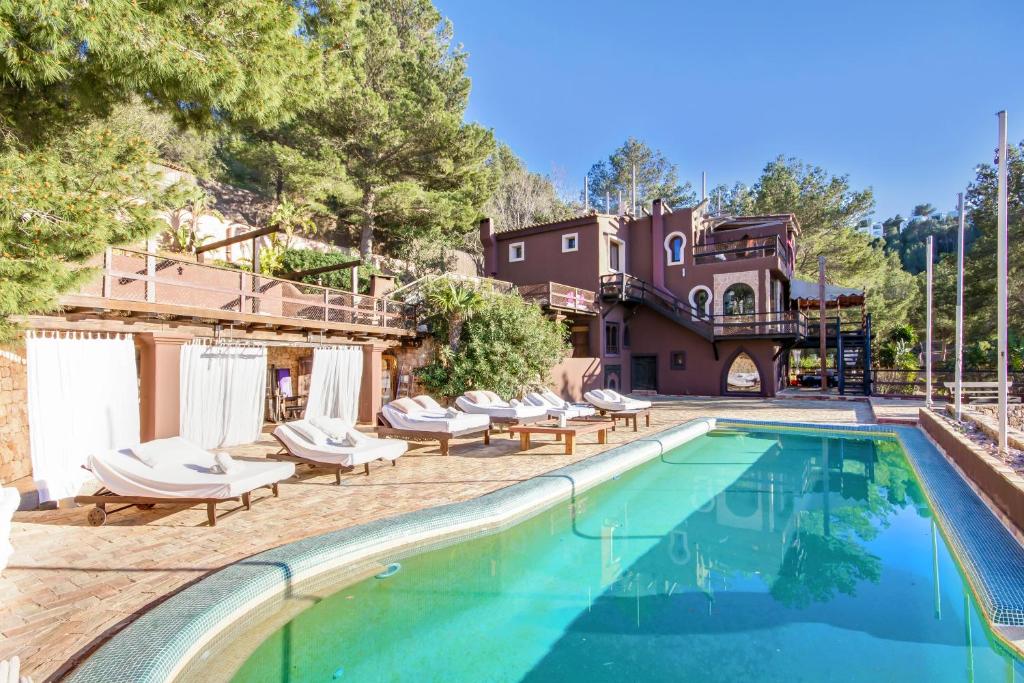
(570, 431)
(628, 415)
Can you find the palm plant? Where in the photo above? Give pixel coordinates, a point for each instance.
(455, 303)
(185, 220)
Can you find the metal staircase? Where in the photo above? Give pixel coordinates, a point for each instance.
(623, 288)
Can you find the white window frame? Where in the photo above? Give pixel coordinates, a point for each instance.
(622, 254)
(668, 249)
(512, 252)
(707, 304)
(575, 237)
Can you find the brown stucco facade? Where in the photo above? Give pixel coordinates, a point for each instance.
(700, 264)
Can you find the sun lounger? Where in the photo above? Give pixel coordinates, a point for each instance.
(175, 471)
(419, 420)
(333, 448)
(607, 400)
(500, 411)
(557, 406)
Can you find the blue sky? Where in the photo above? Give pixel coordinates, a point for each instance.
(899, 94)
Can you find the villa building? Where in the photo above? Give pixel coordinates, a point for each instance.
(675, 302)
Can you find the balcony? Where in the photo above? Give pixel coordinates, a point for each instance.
(561, 297)
(160, 287)
(742, 249)
(777, 324)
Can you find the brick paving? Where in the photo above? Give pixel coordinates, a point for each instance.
(69, 587)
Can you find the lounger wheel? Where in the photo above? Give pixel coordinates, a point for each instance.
(146, 506)
(97, 517)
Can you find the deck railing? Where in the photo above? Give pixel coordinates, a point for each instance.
(733, 250)
(769, 324)
(130, 275)
(562, 297)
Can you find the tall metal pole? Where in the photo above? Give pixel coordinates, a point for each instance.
(632, 202)
(928, 326)
(607, 202)
(959, 371)
(703, 185)
(586, 194)
(822, 327)
(1001, 303)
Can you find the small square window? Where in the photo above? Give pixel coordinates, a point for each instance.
(570, 242)
(677, 360)
(517, 252)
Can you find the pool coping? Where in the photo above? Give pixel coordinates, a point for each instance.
(162, 642)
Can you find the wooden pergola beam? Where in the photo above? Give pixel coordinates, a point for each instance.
(251, 235)
(324, 269)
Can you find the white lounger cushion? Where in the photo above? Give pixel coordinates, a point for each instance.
(350, 456)
(434, 421)
(499, 409)
(182, 470)
(557, 406)
(606, 399)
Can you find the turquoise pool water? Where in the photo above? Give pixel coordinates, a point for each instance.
(741, 555)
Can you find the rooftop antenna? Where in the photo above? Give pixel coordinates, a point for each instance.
(607, 202)
(632, 198)
(586, 194)
(703, 185)
(619, 205)
(719, 202)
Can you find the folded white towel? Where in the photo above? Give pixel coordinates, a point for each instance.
(334, 427)
(225, 464)
(515, 403)
(146, 455)
(452, 412)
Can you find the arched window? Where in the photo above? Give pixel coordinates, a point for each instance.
(674, 245)
(700, 299)
(738, 300)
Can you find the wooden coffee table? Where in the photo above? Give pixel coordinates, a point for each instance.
(628, 415)
(570, 431)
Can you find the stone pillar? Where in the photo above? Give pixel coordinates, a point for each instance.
(657, 244)
(369, 391)
(159, 385)
(490, 245)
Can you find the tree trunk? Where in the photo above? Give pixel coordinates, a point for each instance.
(369, 224)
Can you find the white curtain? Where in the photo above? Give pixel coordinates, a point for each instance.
(223, 389)
(334, 384)
(83, 397)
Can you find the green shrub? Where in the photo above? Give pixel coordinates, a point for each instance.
(505, 345)
(295, 260)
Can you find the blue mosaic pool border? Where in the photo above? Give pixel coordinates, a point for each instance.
(987, 552)
(159, 643)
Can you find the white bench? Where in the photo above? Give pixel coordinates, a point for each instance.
(980, 392)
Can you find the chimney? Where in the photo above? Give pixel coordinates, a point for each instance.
(381, 285)
(657, 244)
(490, 245)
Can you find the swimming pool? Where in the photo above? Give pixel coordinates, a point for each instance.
(748, 554)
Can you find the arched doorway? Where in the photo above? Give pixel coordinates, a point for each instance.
(742, 376)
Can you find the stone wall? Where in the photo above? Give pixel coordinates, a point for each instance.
(291, 357)
(15, 461)
(411, 358)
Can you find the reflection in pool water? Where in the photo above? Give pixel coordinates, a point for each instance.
(738, 556)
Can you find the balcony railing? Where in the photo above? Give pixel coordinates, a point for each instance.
(162, 282)
(734, 250)
(770, 324)
(561, 297)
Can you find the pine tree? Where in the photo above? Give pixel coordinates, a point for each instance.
(386, 149)
(74, 178)
(656, 177)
